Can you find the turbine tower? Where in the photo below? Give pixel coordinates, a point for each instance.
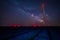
(44, 15)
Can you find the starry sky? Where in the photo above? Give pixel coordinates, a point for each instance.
(20, 11)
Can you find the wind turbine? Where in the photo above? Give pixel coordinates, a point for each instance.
(44, 14)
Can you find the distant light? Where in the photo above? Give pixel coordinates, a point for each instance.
(34, 25)
(15, 25)
(46, 15)
(32, 15)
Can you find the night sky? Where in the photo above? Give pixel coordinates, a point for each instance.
(21, 11)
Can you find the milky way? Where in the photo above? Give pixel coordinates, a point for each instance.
(20, 12)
